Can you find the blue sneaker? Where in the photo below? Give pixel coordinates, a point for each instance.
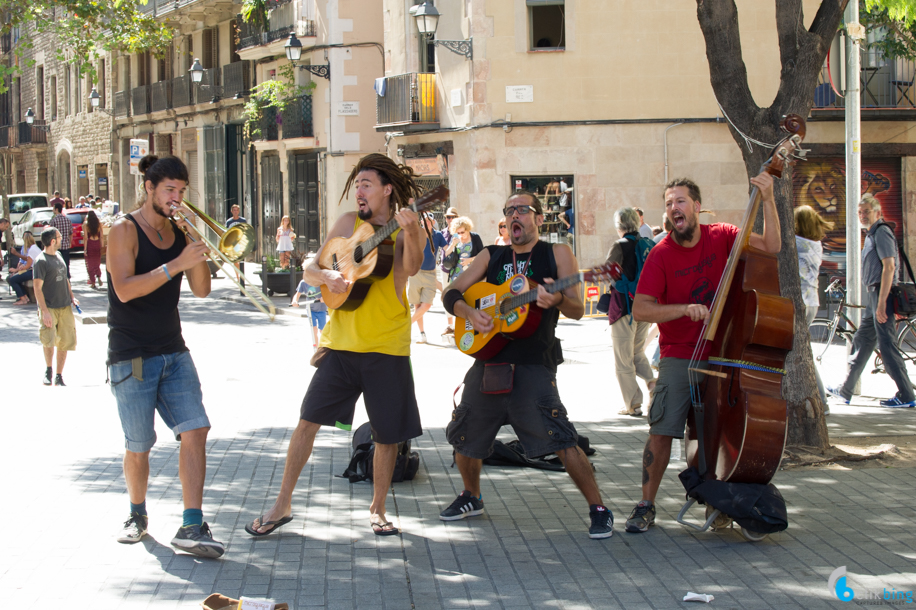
(835, 392)
(896, 403)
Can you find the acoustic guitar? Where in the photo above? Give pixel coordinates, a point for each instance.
(366, 256)
(510, 306)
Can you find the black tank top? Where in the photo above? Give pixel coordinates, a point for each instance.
(542, 346)
(148, 325)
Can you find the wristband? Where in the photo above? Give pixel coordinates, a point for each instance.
(450, 298)
(165, 270)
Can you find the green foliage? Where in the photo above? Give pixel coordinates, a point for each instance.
(272, 94)
(898, 18)
(255, 13)
(85, 31)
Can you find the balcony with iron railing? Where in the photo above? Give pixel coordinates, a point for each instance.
(160, 96)
(408, 104)
(140, 98)
(181, 91)
(297, 118)
(236, 79)
(283, 20)
(7, 136)
(207, 90)
(121, 104)
(886, 88)
(267, 126)
(32, 134)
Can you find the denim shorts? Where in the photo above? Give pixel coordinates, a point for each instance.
(170, 385)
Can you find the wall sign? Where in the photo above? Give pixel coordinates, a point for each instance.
(347, 108)
(138, 150)
(519, 94)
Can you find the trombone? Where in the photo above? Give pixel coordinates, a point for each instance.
(235, 243)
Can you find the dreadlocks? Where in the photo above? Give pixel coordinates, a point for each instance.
(400, 177)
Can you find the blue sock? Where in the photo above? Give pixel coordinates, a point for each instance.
(139, 509)
(192, 516)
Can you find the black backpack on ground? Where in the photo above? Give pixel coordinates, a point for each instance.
(361, 461)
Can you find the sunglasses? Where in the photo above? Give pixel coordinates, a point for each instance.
(521, 209)
(502, 226)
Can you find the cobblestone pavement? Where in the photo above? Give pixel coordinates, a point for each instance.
(65, 496)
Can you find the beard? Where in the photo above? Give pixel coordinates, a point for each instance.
(684, 236)
(364, 214)
(524, 235)
(157, 207)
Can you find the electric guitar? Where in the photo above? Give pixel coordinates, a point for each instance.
(367, 256)
(511, 305)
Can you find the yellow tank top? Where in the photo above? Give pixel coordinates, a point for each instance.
(380, 324)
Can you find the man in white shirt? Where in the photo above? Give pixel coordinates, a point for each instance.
(644, 229)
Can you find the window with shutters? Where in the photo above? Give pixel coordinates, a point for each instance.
(209, 56)
(143, 69)
(547, 25)
(52, 86)
(101, 88)
(40, 92)
(67, 90)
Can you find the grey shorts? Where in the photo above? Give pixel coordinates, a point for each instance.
(533, 409)
(671, 398)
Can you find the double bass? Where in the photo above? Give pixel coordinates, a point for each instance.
(736, 430)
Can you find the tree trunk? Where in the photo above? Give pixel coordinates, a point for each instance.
(802, 54)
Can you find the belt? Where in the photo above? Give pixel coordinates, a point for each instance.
(873, 288)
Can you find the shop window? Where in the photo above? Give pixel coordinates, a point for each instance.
(547, 25)
(556, 194)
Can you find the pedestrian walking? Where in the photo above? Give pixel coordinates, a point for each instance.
(61, 222)
(92, 248)
(421, 291)
(459, 254)
(150, 367)
(285, 237)
(364, 351)
(55, 296)
(878, 328)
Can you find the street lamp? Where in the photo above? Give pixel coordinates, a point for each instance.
(427, 18)
(197, 75)
(293, 50)
(95, 100)
(30, 119)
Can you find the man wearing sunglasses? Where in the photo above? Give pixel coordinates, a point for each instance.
(518, 385)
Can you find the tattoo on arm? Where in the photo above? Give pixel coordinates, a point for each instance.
(647, 459)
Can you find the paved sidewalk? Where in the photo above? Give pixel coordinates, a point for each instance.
(65, 497)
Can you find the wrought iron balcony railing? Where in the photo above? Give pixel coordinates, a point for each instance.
(181, 91)
(267, 125)
(408, 103)
(236, 79)
(160, 96)
(283, 21)
(140, 98)
(31, 134)
(297, 118)
(121, 104)
(883, 84)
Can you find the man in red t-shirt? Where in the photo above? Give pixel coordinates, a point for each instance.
(676, 289)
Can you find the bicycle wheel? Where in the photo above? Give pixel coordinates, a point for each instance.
(824, 333)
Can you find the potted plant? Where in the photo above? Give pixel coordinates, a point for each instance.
(281, 281)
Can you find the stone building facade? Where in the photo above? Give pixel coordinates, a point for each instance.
(552, 94)
(68, 147)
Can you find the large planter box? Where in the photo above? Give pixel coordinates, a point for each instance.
(278, 283)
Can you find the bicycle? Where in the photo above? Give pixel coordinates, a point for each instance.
(840, 328)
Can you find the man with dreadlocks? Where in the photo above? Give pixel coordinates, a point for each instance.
(367, 350)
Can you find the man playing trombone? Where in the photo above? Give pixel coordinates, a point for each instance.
(150, 367)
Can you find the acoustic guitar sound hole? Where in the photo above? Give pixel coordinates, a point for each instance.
(358, 254)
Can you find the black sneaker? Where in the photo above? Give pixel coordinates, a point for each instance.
(197, 540)
(602, 522)
(641, 518)
(134, 529)
(465, 505)
(59, 380)
(46, 380)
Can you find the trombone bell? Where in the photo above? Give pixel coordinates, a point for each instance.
(237, 242)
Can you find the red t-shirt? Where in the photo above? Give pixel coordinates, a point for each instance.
(673, 275)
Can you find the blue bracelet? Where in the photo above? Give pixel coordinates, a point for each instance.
(165, 270)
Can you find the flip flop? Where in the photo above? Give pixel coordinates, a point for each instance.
(274, 525)
(384, 529)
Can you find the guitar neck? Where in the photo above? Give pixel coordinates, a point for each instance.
(532, 295)
(383, 233)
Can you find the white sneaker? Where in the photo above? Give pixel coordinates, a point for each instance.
(422, 338)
